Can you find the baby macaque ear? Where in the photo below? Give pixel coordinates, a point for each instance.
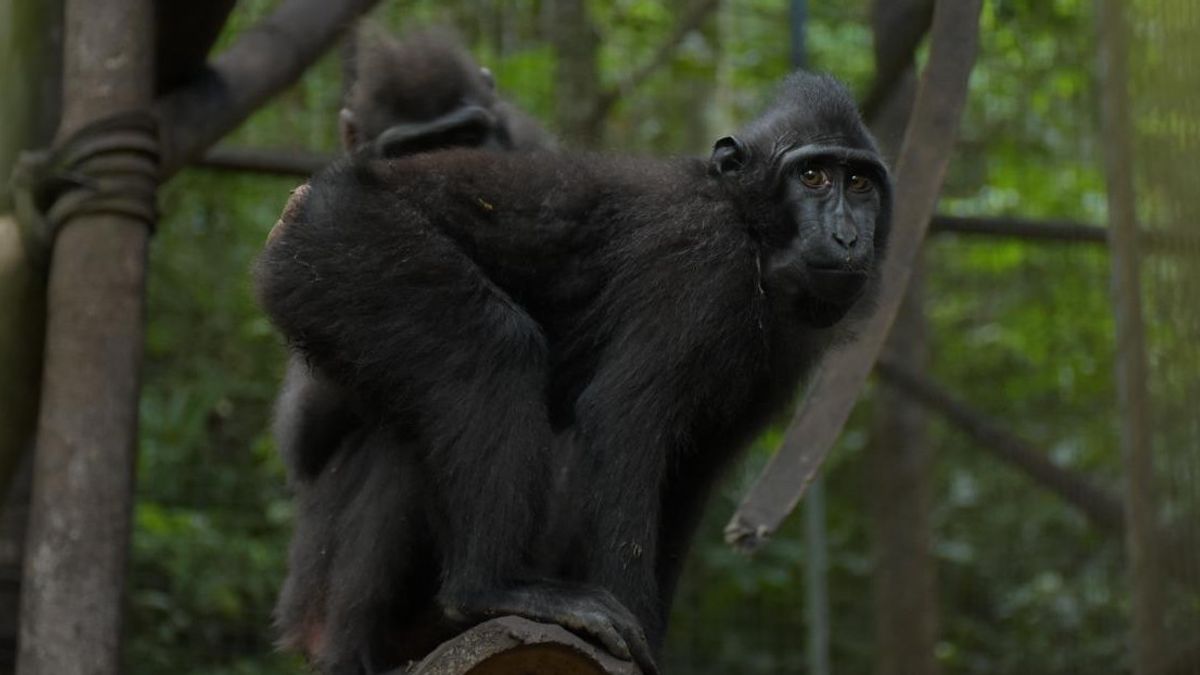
(348, 129)
(729, 156)
(488, 77)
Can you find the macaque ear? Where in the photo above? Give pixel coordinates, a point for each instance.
(488, 77)
(729, 156)
(348, 129)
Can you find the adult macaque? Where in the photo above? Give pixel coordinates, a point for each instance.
(553, 356)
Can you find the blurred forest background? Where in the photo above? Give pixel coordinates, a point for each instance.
(1021, 581)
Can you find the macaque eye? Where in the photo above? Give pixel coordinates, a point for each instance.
(814, 178)
(860, 183)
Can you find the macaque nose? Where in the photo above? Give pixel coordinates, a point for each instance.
(846, 235)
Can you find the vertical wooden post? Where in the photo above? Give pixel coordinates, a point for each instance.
(575, 42)
(71, 602)
(899, 459)
(1136, 442)
(899, 468)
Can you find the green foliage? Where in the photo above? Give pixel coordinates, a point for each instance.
(212, 514)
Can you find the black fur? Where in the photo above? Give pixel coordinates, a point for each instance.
(415, 91)
(426, 93)
(555, 355)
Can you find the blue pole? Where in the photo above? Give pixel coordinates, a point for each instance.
(799, 23)
(816, 578)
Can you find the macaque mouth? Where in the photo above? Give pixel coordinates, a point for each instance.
(837, 285)
(467, 126)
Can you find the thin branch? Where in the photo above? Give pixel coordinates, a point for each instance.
(1165, 240)
(898, 29)
(1022, 228)
(264, 160)
(691, 20)
(1101, 507)
(265, 60)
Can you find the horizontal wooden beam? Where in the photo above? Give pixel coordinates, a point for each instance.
(264, 160)
(1021, 228)
(302, 164)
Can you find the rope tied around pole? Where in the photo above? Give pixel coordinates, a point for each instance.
(110, 166)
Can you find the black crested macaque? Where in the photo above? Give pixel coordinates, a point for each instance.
(419, 94)
(555, 355)
(424, 93)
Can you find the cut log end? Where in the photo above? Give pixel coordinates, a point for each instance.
(515, 646)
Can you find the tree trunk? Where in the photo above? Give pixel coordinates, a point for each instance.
(900, 466)
(691, 95)
(1141, 517)
(87, 430)
(576, 74)
(899, 460)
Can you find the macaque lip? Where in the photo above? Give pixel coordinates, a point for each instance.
(836, 284)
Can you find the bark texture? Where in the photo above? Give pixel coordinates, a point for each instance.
(78, 540)
(514, 646)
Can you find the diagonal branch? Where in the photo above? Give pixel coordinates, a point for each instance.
(1101, 507)
(898, 28)
(839, 378)
(265, 60)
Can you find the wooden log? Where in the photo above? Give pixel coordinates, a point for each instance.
(512, 645)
